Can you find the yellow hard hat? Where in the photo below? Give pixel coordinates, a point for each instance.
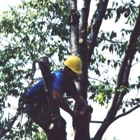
(74, 63)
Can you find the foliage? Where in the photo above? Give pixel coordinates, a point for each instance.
(28, 31)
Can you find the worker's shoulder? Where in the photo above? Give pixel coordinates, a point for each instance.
(59, 74)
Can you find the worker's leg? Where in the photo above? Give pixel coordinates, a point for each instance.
(36, 112)
(40, 114)
(60, 130)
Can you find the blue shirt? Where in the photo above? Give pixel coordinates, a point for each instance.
(61, 83)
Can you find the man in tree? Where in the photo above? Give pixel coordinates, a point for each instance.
(37, 106)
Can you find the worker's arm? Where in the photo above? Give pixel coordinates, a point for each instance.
(60, 101)
(80, 100)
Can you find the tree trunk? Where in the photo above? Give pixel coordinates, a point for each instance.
(79, 47)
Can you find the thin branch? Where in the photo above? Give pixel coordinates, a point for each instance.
(96, 79)
(119, 116)
(99, 121)
(99, 80)
(126, 113)
(9, 125)
(111, 41)
(136, 63)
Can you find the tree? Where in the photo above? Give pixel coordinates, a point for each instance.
(40, 27)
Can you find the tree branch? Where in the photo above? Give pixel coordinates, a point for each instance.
(83, 47)
(117, 117)
(8, 127)
(99, 15)
(126, 113)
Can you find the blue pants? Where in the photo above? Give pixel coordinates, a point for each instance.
(40, 114)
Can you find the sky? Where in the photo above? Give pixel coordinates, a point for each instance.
(125, 128)
(5, 3)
